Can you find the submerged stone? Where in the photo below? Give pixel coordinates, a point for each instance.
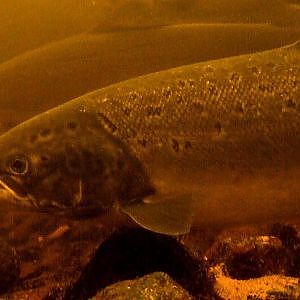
(154, 286)
(263, 288)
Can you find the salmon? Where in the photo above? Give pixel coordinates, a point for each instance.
(216, 142)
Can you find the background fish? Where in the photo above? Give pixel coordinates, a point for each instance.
(224, 134)
(29, 24)
(151, 12)
(58, 72)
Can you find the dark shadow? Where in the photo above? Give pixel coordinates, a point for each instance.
(130, 253)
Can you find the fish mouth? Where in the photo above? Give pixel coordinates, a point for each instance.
(20, 195)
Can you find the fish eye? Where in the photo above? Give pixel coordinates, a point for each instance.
(19, 165)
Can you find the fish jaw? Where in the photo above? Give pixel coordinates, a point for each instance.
(18, 193)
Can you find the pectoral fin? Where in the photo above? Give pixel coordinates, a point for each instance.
(173, 216)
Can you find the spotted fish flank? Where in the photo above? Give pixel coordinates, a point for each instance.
(222, 135)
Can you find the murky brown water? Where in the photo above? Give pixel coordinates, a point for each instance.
(53, 51)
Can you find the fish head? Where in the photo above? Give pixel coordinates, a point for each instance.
(68, 161)
(31, 165)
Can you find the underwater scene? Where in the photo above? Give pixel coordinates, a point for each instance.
(150, 149)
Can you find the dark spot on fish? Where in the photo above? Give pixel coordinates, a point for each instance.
(294, 83)
(265, 87)
(93, 163)
(290, 103)
(166, 92)
(175, 145)
(208, 69)
(45, 132)
(255, 70)
(133, 96)
(107, 123)
(191, 82)
(188, 145)
(33, 138)
(72, 157)
(239, 109)
(198, 105)
(126, 111)
(152, 111)
(181, 83)
(72, 125)
(127, 133)
(270, 65)
(234, 77)
(179, 99)
(212, 89)
(142, 142)
(218, 127)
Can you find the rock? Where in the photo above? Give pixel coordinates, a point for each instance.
(154, 286)
(288, 234)
(290, 238)
(65, 258)
(9, 266)
(256, 262)
(134, 252)
(53, 250)
(252, 255)
(264, 288)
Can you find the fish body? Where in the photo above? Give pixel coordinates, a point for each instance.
(219, 140)
(37, 25)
